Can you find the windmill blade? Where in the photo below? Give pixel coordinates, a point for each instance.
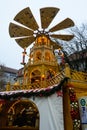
(47, 15)
(62, 25)
(19, 31)
(26, 18)
(63, 37)
(25, 42)
(55, 44)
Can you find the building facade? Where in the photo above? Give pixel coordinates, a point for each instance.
(20, 76)
(7, 74)
(78, 60)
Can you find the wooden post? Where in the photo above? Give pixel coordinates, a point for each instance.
(68, 124)
(67, 71)
(8, 86)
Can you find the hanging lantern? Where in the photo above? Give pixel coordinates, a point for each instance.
(24, 53)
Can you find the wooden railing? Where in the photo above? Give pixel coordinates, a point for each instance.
(43, 84)
(67, 72)
(56, 79)
(81, 76)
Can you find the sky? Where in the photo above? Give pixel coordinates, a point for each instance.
(10, 51)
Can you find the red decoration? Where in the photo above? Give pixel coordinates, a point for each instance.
(59, 93)
(74, 107)
(74, 114)
(2, 101)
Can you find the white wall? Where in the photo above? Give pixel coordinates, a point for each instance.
(51, 112)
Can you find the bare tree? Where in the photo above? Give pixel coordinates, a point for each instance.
(79, 41)
(75, 51)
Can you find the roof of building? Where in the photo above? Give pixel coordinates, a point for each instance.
(8, 69)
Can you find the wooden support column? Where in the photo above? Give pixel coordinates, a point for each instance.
(68, 125)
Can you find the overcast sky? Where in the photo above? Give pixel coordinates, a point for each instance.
(10, 51)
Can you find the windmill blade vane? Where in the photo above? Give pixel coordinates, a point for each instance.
(26, 18)
(55, 44)
(25, 42)
(62, 37)
(62, 25)
(47, 15)
(19, 31)
(26, 30)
